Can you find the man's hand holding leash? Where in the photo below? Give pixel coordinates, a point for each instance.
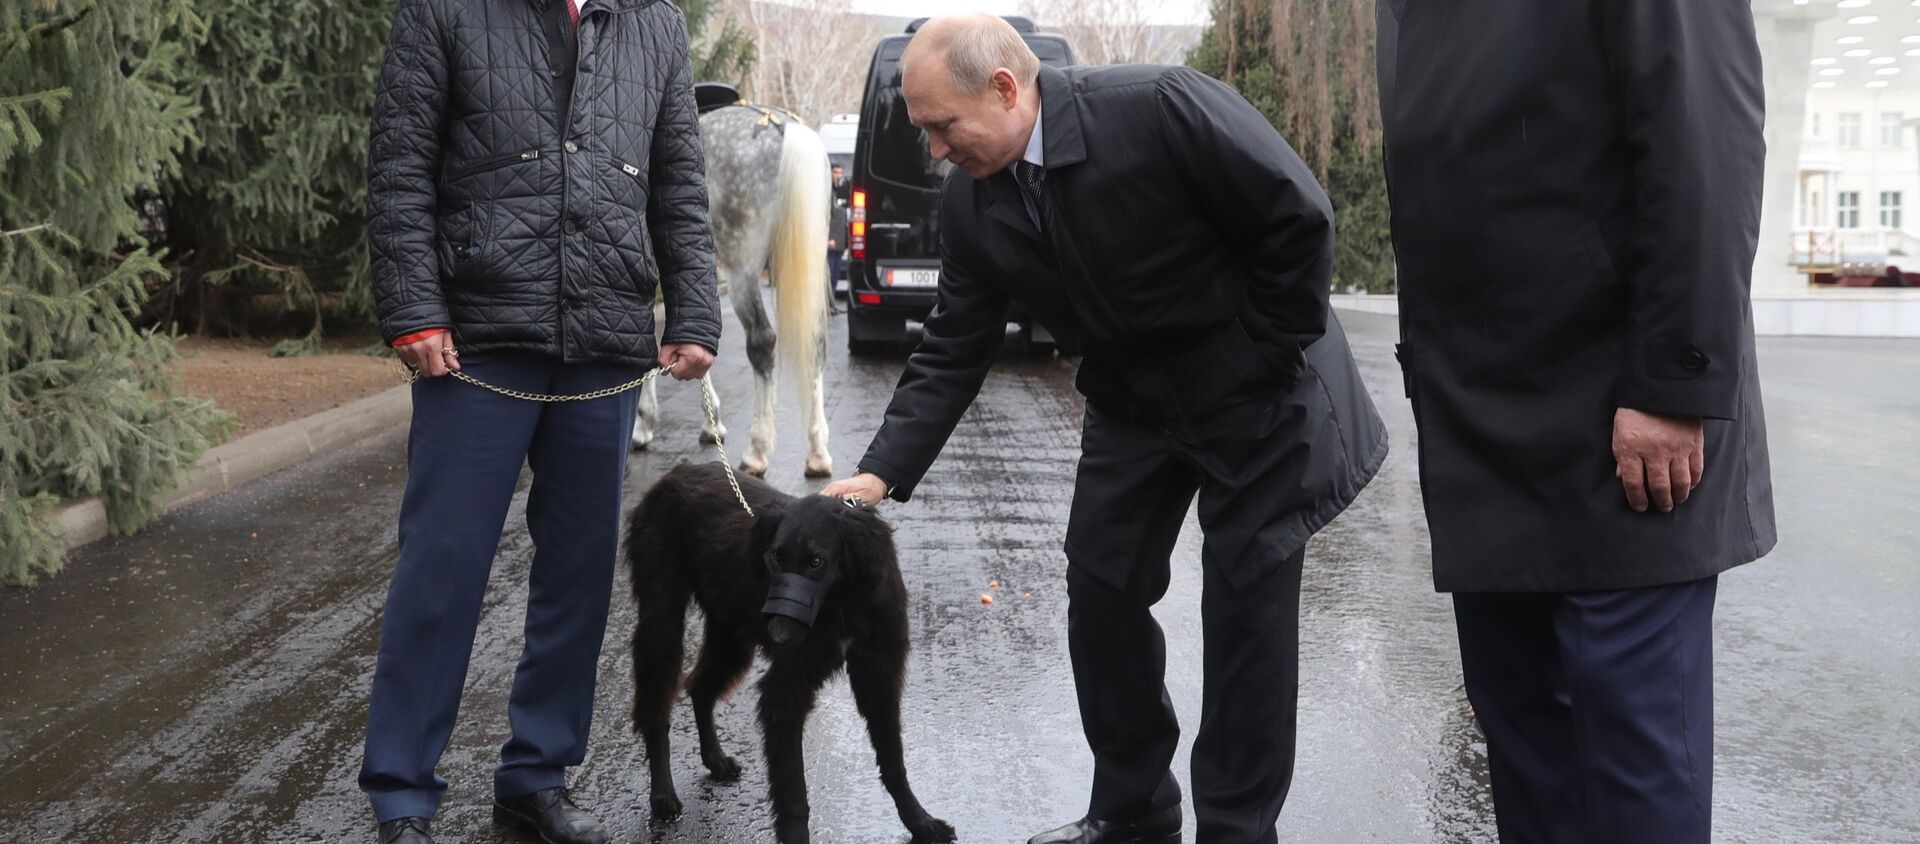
(431, 356)
(685, 361)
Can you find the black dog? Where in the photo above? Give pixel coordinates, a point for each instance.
(760, 580)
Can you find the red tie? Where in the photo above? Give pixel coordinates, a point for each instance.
(573, 9)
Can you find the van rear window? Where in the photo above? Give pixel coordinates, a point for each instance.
(899, 147)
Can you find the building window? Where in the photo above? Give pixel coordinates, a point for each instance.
(1849, 129)
(1847, 209)
(1890, 209)
(1892, 134)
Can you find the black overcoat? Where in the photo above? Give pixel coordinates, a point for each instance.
(1187, 251)
(1576, 195)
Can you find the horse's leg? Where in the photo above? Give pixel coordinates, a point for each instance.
(760, 342)
(712, 430)
(648, 419)
(813, 394)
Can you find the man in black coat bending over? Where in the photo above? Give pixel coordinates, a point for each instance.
(1150, 216)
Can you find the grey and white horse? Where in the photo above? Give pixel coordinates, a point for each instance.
(769, 197)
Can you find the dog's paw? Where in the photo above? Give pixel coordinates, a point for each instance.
(933, 831)
(724, 769)
(666, 807)
(791, 831)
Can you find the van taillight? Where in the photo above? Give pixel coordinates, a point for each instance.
(857, 240)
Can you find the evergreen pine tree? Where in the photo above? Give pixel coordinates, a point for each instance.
(89, 118)
(1308, 65)
(268, 205)
(724, 56)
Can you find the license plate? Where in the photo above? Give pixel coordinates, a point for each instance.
(913, 278)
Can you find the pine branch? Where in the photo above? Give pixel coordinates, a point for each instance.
(43, 30)
(26, 231)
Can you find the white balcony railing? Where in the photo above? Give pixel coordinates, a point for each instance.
(1828, 247)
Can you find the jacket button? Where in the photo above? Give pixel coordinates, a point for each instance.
(555, 72)
(572, 147)
(569, 227)
(1694, 359)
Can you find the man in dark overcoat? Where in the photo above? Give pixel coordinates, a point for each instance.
(1153, 218)
(1576, 195)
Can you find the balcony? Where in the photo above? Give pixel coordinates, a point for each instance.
(1830, 247)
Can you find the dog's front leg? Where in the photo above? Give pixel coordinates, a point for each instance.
(786, 698)
(878, 675)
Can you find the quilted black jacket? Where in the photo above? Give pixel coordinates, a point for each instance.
(488, 218)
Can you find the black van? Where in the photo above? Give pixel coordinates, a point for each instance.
(895, 238)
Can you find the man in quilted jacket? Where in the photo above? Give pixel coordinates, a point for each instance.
(535, 174)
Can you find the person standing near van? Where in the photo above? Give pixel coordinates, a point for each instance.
(837, 237)
(1153, 216)
(535, 171)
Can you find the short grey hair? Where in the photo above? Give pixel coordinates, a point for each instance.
(974, 46)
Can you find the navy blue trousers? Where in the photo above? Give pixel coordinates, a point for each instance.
(464, 455)
(1598, 711)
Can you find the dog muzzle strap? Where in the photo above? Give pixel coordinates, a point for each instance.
(796, 596)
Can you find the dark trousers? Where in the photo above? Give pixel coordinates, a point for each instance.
(1598, 711)
(464, 455)
(1134, 487)
(836, 268)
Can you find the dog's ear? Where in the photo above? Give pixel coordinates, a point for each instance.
(766, 522)
(866, 542)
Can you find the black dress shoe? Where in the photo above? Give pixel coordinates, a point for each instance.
(1162, 827)
(407, 831)
(551, 814)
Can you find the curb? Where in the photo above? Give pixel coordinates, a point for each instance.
(251, 457)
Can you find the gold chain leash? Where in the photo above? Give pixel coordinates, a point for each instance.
(707, 398)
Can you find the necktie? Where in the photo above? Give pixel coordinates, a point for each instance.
(573, 10)
(1032, 177)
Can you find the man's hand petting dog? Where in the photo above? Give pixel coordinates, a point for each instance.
(686, 361)
(865, 486)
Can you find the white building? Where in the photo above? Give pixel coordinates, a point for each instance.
(1837, 73)
(1859, 175)
(1842, 178)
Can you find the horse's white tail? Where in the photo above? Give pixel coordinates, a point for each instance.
(798, 259)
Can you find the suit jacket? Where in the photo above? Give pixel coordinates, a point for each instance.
(1576, 197)
(1187, 251)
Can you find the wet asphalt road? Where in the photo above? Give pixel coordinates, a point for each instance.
(206, 679)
